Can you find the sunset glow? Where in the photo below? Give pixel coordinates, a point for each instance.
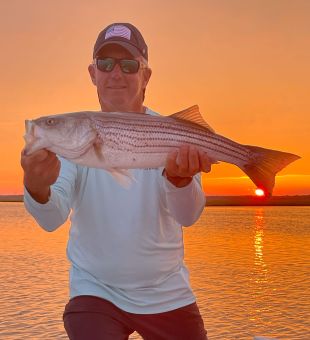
(240, 61)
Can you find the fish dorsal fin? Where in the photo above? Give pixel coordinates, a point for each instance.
(193, 115)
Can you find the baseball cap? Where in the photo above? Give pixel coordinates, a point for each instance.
(125, 35)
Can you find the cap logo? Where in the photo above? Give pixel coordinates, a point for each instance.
(118, 31)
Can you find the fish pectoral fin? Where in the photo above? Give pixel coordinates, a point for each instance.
(122, 176)
(193, 115)
(98, 150)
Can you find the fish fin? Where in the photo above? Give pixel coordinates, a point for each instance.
(122, 176)
(193, 115)
(98, 150)
(264, 165)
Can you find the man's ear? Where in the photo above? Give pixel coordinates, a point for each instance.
(92, 73)
(147, 76)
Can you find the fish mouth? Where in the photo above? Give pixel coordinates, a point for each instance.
(29, 136)
(33, 142)
(28, 126)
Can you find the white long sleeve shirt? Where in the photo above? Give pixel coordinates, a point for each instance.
(125, 245)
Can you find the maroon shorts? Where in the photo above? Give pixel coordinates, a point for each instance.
(93, 318)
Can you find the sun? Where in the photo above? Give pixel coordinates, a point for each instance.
(259, 192)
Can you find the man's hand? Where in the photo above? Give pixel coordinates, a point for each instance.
(41, 170)
(183, 164)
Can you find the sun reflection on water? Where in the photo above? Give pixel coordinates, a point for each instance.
(260, 270)
(259, 244)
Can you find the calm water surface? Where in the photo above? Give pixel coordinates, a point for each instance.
(249, 270)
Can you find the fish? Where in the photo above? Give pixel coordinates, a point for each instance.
(120, 141)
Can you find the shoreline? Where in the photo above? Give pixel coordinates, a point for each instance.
(11, 198)
(296, 200)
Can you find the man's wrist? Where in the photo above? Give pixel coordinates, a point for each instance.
(177, 181)
(41, 196)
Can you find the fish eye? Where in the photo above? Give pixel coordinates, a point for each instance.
(50, 121)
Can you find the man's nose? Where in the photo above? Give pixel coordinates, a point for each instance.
(117, 71)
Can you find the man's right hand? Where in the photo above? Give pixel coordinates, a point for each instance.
(41, 170)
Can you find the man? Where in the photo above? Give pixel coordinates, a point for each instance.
(125, 246)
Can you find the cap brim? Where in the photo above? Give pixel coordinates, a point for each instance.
(130, 48)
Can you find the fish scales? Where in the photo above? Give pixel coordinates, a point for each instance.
(157, 134)
(171, 128)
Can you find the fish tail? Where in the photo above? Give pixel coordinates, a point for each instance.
(264, 164)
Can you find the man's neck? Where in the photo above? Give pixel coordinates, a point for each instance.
(105, 108)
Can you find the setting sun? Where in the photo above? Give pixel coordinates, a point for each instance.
(259, 192)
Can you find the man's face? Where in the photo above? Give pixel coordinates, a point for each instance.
(119, 91)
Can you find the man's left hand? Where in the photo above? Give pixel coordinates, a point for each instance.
(183, 164)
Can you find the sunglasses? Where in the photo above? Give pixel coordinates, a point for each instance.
(127, 65)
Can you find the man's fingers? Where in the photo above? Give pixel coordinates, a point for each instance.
(38, 156)
(29, 162)
(51, 158)
(171, 163)
(193, 160)
(55, 167)
(183, 159)
(205, 164)
(187, 162)
(39, 161)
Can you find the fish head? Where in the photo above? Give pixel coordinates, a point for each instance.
(68, 135)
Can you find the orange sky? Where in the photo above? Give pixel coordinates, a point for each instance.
(245, 63)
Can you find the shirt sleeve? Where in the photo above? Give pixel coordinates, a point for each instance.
(55, 212)
(187, 203)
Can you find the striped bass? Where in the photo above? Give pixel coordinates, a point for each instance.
(120, 141)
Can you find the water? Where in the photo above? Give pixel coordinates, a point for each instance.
(249, 270)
